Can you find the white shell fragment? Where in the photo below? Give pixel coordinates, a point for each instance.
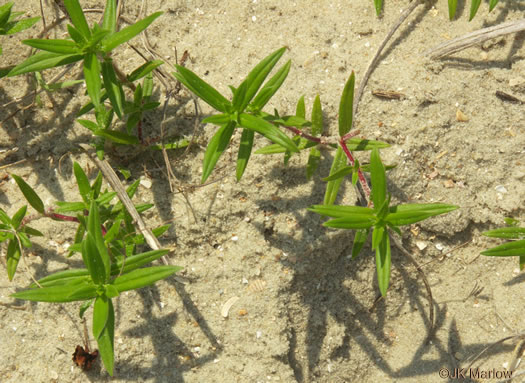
(501, 189)
(228, 305)
(421, 245)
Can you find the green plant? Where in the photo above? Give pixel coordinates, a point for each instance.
(10, 25)
(247, 114)
(515, 248)
(93, 47)
(107, 241)
(380, 217)
(452, 7)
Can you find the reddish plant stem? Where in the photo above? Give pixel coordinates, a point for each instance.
(298, 132)
(361, 176)
(342, 143)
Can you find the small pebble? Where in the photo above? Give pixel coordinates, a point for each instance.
(501, 189)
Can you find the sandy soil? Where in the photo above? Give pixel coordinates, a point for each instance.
(306, 312)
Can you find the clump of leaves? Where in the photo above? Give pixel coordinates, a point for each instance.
(93, 47)
(515, 248)
(108, 243)
(379, 219)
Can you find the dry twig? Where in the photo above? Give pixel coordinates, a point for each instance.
(476, 37)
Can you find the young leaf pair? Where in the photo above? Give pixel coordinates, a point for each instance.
(378, 219)
(515, 248)
(243, 111)
(99, 282)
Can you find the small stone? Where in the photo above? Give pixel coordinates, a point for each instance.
(460, 116)
(421, 245)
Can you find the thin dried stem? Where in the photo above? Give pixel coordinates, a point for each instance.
(375, 60)
(113, 180)
(476, 37)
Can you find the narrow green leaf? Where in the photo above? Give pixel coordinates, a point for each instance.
(30, 195)
(93, 260)
(30, 231)
(76, 36)
(452, 6)
(118, 137)
(359, 144)
(474, 5)
(88, 124)
(92, 76)
(302, 144)
(238, 97)
(355, 221)
(216, 147)
(128, 33)
(317, 117)
(378, 6)
(43, 60)
(360, 238)
(83, 308)
(377, 236)
(245, 150)
(300, 109)
(113, 87)
(174, 144)
(332, 187)
(5, 218)
(408, 214)
(313, 162)
(492, 4)
(271, 87)
(66, 207)
(383, 260)
(18, 217)
(109, 22)
(82, 181)
(66, 47)
(77, 17)
(13, 257)
(143, 277)
(202, 89)
(72, 277)
(100, 315)
(344, 171)
(268, 130)
(24, 239)
(506, 233)
(104, 330)
(339, 211)
(135, 261)
(378, 178)
(94, 229)
(59, 293)
(346, 105)
(144, 70)
(5, 13)
(509, 249)
(258, 74)
(19, 26)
